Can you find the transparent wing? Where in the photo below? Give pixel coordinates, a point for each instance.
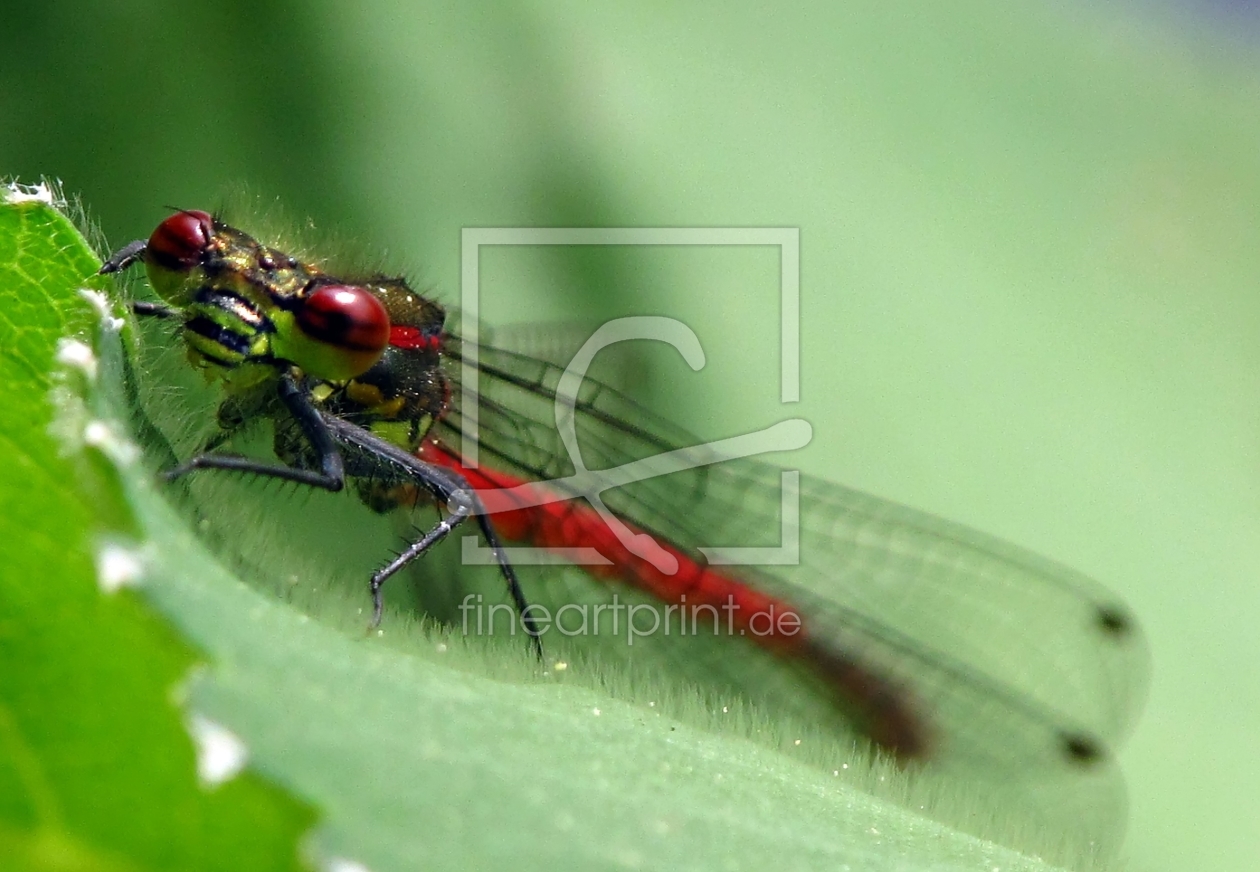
(1011, 659)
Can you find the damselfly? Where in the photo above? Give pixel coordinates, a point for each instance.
(932, 639)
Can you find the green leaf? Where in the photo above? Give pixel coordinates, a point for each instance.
(418, 748)
(96, 768)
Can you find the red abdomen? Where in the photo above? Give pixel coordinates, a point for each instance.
(880, 707)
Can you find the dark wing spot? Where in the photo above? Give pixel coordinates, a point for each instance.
(1114, 621)
(1082, 749)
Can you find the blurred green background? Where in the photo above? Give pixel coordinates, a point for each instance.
(1029, 251)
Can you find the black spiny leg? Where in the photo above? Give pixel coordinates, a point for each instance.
(388, 462)
(153, 310)
(508, 573)
(460, 505)
(124, 257)
(331, 474)
(458, 509)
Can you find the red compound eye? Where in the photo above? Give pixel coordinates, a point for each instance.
(347, 317)
(180, 241)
